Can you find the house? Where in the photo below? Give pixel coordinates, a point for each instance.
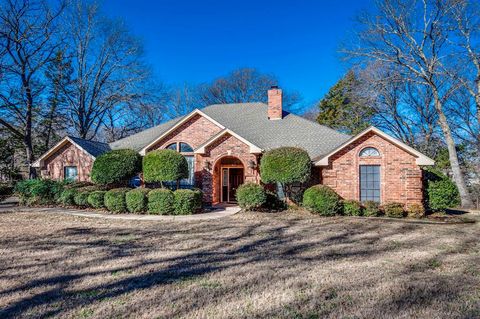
(223, 145)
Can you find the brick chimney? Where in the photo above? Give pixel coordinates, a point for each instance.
(275, 103)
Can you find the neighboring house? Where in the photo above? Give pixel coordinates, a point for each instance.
(223, 145)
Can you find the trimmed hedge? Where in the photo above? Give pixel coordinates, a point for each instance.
(394, 210)
(96, 199)
(440, 191)
(322, 200)
(416, 211)
(251, 196)
(114, 200)
(81, 198)
(372, 209)
(186, 202)
(164, 165)
(285, 165)
(67, 197)
(137, 200)
(115, 167)
(38, 191)
(352, 208)
(161, 201)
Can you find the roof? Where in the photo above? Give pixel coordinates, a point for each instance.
(250, 121)
(421, 159)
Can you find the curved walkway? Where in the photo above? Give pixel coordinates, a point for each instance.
(218, 212)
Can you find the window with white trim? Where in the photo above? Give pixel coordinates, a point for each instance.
(70, 173)
(369, 151)
(370, 183)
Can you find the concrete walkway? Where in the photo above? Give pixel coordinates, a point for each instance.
(218, 212)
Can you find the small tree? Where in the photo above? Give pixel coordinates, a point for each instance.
(115, 167)
(286, 166)
(164, 166)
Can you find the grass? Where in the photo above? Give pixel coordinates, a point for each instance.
(251, 265)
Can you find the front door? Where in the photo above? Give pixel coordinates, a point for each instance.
(232, 178)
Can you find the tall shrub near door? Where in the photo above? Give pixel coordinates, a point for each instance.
(164, 166)
(116, 167)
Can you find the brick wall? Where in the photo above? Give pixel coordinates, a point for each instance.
(68, 155)
(401, 177)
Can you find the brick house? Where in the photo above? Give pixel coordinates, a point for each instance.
(223, 145)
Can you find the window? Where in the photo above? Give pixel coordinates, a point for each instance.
(70, 173)
(370, 183)
(187, 151)
(369, 151)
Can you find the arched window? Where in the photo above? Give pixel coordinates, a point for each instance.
(187, 152)
(369, 151)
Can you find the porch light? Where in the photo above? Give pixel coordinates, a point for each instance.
(207, 165)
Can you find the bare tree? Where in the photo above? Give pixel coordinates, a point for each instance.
(241, 86)
(107, 63)
(411, 36)
(27, 43)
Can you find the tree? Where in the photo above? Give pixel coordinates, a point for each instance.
(164, 166)
(286, 166)
(243, 86)
(412, 37)
(28, 31)
(116, 167)
(343, 108)
(109, 73)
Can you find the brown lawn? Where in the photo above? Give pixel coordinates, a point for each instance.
(251, 265)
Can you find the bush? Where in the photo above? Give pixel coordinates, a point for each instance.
(96, 199)
(164, 165)
(81, 199)
(67, 197)
(322, 200)
(114, 200)
(394, 210)
(186, 202)
(161, 201)
(352, 208)
(198, 198)
(137, 200)
(285, 165)
(372, 209)
(115, 167)
(38, 191)
(416, 211)
(274, 203)
(251, 196)
(442, 194)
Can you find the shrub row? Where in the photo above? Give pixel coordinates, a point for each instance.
(324, 201)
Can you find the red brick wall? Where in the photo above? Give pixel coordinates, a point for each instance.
(226, 145)
(401, 177)
(195, 132)
(68, 155)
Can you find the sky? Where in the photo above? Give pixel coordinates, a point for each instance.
(197, 41)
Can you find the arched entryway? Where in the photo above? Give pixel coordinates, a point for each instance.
(229, 175)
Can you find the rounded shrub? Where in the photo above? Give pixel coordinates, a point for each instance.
(372, 209)
(352, 208)
(96, 199)
(322, 200)
(442, 194)
(416, 211)
(114, 200)
(186, 202)
(394, 210)
(164, 165)
(67, 197)
(285, 165)
(115, 167)
(81, 198)
(251, 196)
(273, 203)
(161, 201)
(137, 200)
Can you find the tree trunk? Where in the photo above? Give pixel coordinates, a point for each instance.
(452, 153)
(27, 140)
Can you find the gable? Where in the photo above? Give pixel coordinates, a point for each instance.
(65, 143)
(420, 159)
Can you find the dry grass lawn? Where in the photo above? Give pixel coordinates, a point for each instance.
(251, 265)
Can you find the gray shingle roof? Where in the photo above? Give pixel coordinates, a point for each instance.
(250, 121)
(92, 147)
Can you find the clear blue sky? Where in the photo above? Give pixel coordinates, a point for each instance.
(196, 41)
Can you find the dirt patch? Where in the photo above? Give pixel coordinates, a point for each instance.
(255, 265)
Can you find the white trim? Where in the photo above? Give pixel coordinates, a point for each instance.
(421, 159)
(143, 151)
(63, 141)
(253, 148)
